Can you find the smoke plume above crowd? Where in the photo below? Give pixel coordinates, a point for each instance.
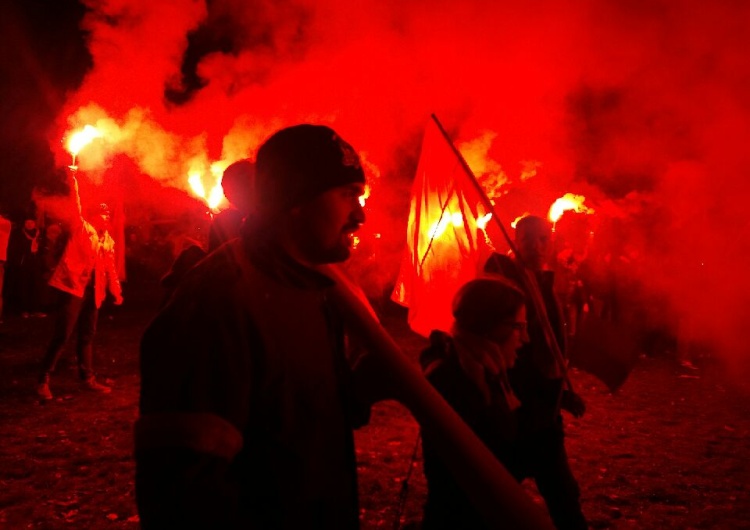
(642, 107)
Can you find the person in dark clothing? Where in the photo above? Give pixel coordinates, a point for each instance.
(237, 182)
(26, 269)
(469, 368)
(538, 379)
(246, 405)
(186, 260)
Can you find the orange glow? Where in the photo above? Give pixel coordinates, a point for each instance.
(482, 221)
(515, 221)
(80, 139)
(366, 195)
(196, 184)
(438, 228)
(213, 198)
(569, 201)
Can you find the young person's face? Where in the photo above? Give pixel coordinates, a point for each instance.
(322, 228)
(511, 335)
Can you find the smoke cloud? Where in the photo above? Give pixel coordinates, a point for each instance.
(641, 106)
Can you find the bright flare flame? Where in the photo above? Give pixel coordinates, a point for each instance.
(213, 198)
(569, 201)
(194, 179)
(482, 221)
(80, 139)
(437, 229)
(366, 195)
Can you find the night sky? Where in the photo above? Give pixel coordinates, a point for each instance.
(44, 56)
(641, 106)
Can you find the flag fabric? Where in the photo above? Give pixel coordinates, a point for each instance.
(445, 246)
(605, 349)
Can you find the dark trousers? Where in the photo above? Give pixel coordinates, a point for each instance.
(74, 315)
(546, 461)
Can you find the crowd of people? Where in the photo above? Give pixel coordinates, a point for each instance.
(29, 255)
(249, 390)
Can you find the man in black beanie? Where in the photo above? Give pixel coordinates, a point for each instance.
(246, 409)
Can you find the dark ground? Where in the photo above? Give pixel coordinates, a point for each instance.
(669, 450)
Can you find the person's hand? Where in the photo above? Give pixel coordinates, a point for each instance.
(118, 300)
(573, 403)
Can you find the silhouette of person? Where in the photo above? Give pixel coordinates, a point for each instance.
(538, 379)
(246, 407)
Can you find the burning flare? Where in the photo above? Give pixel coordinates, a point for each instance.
(569, 201)
(213, 198)
(80, 139)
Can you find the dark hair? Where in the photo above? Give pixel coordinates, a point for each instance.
(483, 303)
(237, 183)
(528, 221)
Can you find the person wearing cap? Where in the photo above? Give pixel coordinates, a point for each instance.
(85, 273)
(469, 367)
(538, 379)
(246, 404)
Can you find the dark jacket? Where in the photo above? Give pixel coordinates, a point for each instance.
(244, 419)
(226, 226)
(536, 378)
(447, 505)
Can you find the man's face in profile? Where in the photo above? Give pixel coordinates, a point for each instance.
(325, 225)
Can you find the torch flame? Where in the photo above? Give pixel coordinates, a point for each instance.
(366, 195)
(437, 229)
(194, 179)
(569, 201)
(213, 198)
(80, 139)
(483, 220)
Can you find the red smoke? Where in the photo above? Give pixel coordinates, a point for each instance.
(640, 106)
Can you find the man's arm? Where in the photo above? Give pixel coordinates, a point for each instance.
(194, 399)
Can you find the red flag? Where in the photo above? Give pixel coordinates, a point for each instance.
(445, 245)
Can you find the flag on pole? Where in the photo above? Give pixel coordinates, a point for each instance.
(445, 239)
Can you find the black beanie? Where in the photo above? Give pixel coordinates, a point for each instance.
(299, 162)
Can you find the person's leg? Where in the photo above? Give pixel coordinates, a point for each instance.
(65, 322)
(87, 322)
(556, 483)
(67, 314)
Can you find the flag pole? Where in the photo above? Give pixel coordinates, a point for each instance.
(527, 276)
